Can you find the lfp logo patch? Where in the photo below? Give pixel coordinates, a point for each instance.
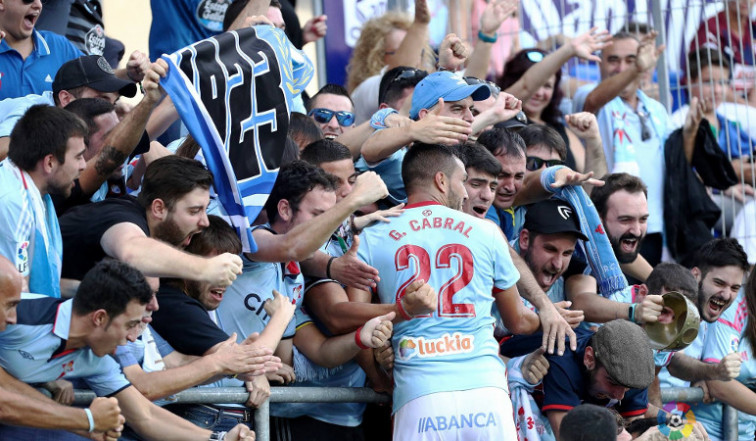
(22, 257)
(680, 423)
(448, 344)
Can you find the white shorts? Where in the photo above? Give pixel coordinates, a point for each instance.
(467, 415)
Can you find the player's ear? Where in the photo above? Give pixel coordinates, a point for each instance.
(159, 209)
(524, 239)
(589, 358)
(696, 273)
(99, 318)
(440, 180)
(285, 211)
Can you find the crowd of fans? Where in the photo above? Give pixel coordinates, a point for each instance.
(452, 231)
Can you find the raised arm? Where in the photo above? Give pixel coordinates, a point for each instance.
(410, 50)
(431, 129)
(581, 46)
(125, 136)
(494, 14)
(128, 243)
(516, 317)
(611, 87)
(303, 240)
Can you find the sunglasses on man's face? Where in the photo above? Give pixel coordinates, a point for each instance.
(28, 2)
(532, 163)
(323, 116)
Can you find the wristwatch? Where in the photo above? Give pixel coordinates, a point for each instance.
(217, 436)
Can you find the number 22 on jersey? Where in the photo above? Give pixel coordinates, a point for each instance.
(458, 253)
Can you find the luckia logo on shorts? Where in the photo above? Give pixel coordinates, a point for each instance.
(447, 344)
(680, 423)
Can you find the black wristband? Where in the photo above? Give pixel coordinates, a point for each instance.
(328, 267)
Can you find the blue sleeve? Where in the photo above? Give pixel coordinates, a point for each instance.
(506, 275)
(162, 344)
(110, 380)
(562, 383)
(128, 354)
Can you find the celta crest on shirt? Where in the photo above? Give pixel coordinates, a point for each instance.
(234, 92)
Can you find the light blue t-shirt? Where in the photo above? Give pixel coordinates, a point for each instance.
(724, 337)
(29, 230)
(649, 155)
(12, 109)
(32, 349)
(390, 171)
(466, 260)
(35, 74)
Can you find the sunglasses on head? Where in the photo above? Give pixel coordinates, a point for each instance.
(535, 56)
(532, 163)
(323, 116)
(495, 90)
(410, 74)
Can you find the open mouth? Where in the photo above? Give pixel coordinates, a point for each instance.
(331, 136)
(217, 294)
(716, 306)
(480, 210)
(629, 245)
(30, 19)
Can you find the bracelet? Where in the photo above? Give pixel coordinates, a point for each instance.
(217, 436)
(328, 267)
(357, 339)
(486, 39)
(631, 312)
(90, 418)
(402, 311)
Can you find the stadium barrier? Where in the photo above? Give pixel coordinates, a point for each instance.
(239, 395)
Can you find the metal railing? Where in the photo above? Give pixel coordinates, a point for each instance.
(239, 395)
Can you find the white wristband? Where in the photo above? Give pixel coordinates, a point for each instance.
(91, 419)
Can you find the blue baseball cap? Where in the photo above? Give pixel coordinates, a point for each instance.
(444, 85)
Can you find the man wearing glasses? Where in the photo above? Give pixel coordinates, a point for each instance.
(333, 110)
(633, 126)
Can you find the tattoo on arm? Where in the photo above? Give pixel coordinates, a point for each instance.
(109, 160)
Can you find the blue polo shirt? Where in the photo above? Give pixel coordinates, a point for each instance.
(33, 350)
(35, 74)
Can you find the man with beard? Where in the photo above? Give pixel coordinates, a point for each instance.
(612, 367)
(623, 207)
(45, 155)
(433, 241)
(148, 232)
(720, 267)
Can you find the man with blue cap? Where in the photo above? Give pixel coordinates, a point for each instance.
(441, 113)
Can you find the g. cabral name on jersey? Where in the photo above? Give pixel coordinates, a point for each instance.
(448, 344)
(427, 222)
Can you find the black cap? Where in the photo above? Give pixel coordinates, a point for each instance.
(553, 216)
(92, 71)
(623, 349)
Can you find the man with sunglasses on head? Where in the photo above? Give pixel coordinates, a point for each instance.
(633, 126)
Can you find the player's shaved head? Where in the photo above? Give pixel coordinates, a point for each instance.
(11, 282)
(423, 161)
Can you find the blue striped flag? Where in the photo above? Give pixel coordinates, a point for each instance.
(234, 92)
